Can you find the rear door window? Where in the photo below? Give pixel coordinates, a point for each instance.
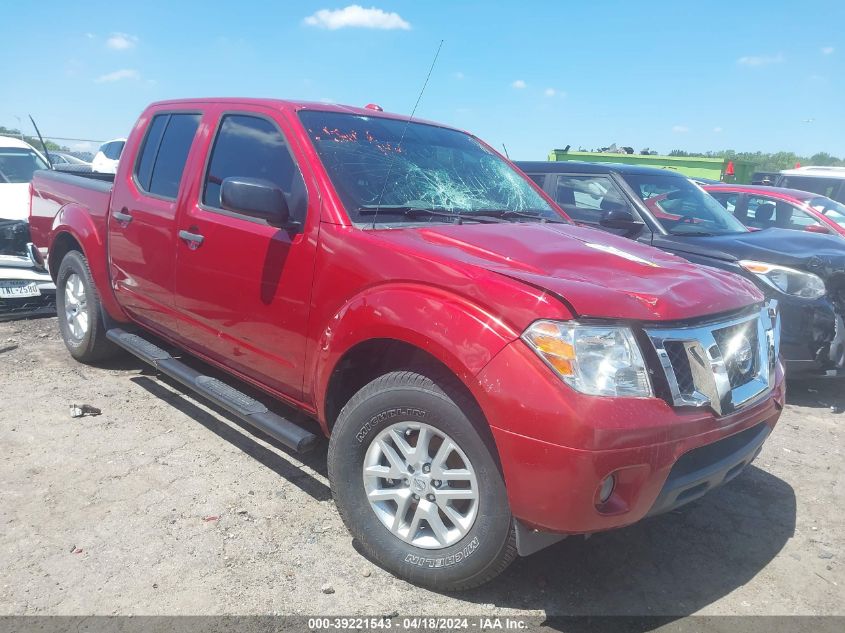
(113, 149)
(764, 213)
(726, 199)
(823, 186)
(586, 198)
(539, 179)
(165, 151)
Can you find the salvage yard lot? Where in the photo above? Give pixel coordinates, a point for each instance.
(164, 505)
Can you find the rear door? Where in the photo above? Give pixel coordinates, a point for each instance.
(142, 229)
(243, 286)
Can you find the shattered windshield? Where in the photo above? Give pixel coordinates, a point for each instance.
(433, 175)
(682, 207)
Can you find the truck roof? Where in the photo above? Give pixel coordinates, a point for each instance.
(297, 105)
(580, 167)
(818, 171)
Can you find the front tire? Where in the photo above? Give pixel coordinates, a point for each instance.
(417, 485)
(79, 311)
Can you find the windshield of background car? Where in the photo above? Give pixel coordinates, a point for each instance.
(681, 207)
(830, 209)
(375, 162)
(17, 164)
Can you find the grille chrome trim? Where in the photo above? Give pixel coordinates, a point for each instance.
(709, 367)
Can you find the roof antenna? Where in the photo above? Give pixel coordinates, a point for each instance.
(405, 129)
(43, 146)
(504, 147)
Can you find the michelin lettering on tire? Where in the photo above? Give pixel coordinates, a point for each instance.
(444, 561)
(387, 415)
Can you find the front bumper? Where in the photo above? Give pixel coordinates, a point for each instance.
(812, 335)
(556, 446)
(14, 269)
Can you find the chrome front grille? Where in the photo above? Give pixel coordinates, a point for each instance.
(724, 364)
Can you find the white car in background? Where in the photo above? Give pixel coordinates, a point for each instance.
(26, 288)
(107, 157)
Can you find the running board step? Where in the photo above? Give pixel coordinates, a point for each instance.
(235, 402)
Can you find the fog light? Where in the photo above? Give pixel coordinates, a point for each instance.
(606, 488)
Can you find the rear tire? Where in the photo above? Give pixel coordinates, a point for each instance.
(454, 529)
(80, 312)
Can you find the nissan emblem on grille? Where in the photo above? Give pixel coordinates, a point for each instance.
(743, 355)
(722, 364)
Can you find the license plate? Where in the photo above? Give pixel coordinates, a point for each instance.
(15, 289)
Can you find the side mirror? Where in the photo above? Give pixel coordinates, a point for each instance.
(622, 220)
(817, 228)
(257, 198)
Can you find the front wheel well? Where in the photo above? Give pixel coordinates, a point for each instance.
(368, 360)
(62, 245)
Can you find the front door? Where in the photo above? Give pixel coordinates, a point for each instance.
(243, 286)
(142, 220)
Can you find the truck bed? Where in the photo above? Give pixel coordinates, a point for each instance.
(52, 190)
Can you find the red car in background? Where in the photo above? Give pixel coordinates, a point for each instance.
(761, 207)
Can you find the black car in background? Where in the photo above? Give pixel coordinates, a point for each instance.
(804, 272)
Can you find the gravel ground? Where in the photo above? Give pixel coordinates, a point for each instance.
(164, 505)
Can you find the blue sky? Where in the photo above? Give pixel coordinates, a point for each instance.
(532, 75)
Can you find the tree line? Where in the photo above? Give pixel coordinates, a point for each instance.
(32, 140)
(768, 161)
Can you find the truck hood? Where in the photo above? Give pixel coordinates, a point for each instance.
(14, 201)
(822, 254)
(596, 274)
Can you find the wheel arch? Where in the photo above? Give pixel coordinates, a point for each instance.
(74, 229)
(385, 328)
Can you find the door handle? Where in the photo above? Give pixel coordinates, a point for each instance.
(192, 239)
(122, 216)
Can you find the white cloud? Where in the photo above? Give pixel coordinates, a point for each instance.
(357, 16)
(760, 60)
(458, 75)
(519, 84)
(550, 92)
(90, 36)
(119, 75)
(828, 50)
(680, 129)
(717, 129)
(121, 41)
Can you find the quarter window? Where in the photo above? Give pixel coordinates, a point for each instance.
(253, 147)
(165, 152)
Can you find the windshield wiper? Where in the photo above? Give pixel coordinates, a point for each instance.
(506, 214)
(418, 212)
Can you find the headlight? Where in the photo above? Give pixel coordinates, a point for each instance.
(593, 359)
(787, 280)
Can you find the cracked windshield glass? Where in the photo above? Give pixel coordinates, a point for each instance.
(395, 172)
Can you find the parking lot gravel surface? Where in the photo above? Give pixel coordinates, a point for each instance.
(164, 505)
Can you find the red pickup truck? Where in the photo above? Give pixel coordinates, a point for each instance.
(490, 377)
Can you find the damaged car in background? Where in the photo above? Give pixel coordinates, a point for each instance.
(803, 271)
(26, 288)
